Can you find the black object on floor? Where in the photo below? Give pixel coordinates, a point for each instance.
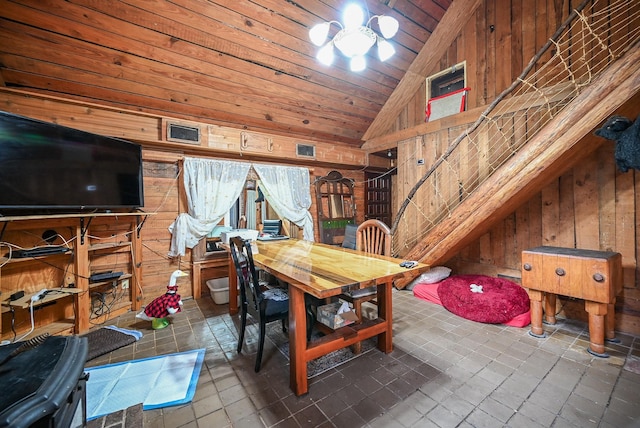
(324, 363)
(104, 340)
(44, 386)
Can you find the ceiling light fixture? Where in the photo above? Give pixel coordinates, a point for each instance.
(354, 39)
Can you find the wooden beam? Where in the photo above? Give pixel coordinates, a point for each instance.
(445, 33)
(147, 130)
(523, 102)
(546, 156)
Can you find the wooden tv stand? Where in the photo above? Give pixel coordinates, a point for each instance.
(98, 242)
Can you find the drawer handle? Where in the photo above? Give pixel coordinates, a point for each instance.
(560, 272)
(598, 277)
(527, 266)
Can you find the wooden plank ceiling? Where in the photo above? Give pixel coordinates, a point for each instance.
(246, 64)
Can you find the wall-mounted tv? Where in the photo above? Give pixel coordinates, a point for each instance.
(48, 167)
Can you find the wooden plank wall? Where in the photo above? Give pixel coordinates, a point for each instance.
(161, 170)
(497, 43)
(589, 206)
(592, 206)
(162, 196)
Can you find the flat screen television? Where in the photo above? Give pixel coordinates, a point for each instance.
(46, 167)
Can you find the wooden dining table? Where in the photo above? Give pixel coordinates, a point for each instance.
(325, 271)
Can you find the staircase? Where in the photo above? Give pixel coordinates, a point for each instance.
(535, 131)
(554, 149)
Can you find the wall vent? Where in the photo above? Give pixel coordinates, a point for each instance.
(182, 133)
(306, 150)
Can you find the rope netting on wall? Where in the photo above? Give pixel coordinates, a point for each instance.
(592, 37)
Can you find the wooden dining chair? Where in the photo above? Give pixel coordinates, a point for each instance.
(372, 236)
(264, 306)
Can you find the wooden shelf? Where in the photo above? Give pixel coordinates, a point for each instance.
(335, 204)
(100, 241)
(6, 260)
(60, 327)
(108, 246)
(63, 216)
(110, 281)
(53, 294)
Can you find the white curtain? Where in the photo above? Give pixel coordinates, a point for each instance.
(288, 190)
(212, 187)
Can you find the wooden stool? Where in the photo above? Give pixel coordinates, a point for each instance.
(595, 276)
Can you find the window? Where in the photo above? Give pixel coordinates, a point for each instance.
(446, 92)
(447, 81)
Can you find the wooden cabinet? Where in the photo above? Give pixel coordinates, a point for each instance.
(336, 206)
(595, 276)
(73, 302)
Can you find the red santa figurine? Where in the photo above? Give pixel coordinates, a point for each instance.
(161, 307)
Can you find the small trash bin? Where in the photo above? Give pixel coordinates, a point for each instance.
(219, 289)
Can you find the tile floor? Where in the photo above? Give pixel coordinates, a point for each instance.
(445, 371)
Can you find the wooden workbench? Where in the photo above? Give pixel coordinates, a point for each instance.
(595, 276)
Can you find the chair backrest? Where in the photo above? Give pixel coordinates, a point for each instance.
(350, 231)
(271, 226)
(250, 292)
(373, 236)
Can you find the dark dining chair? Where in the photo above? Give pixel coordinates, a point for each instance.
(350, 232)
(372, 236)
(264, 306)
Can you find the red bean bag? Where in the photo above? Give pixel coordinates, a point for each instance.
(500, 302)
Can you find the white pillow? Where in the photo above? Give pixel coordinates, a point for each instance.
(435, 274)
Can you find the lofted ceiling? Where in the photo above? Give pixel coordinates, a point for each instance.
(239, 63)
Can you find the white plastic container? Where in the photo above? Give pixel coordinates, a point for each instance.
(219, 289)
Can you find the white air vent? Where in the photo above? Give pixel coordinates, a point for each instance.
(306, 150)
(182, 133)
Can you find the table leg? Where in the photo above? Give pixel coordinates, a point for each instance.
(597, 312)
(535, 299)
(197, 281)
(549, 308)
(385, 340)
(233, 287)
(356, 348)
(609, 322)
(297, 342)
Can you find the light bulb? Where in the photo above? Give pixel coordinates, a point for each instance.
(385, 50)
(358, 63)
(325, 54)
(353, 16)
(388, 26)
(318, 34)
